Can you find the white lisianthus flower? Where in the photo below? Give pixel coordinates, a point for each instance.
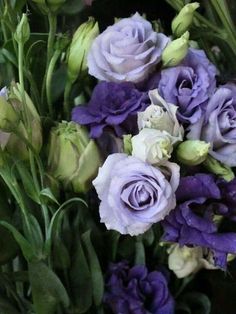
(184, 261)
(161, 115)
(152, 146)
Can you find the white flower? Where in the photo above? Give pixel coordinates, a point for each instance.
(152, 146)
(161, 115)
(184, 261)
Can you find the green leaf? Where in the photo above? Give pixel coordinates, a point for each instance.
(80, 279)
(95, 269)
(55, 223)
(148, 237)
(112, 242)
(35, 236)
(61, 256)
(27, 181)
(47, 194)
(139, 253)
(47, 289)
(25, 246)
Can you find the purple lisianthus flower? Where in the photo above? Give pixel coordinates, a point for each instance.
(192, 222)
(112, 105)
(126, 51)
(134, 195)
(137, 291)
(228, 192)
(188, 85)
(218, 125)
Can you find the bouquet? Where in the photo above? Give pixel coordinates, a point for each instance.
(117, 157)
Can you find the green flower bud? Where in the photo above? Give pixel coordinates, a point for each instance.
(175, 51)
(73, 157)
(36, 135)
(80, 45)
(192, 153)
(218, 168)
(183, 20)
(8, 115)
(127, 144)
(22, 33)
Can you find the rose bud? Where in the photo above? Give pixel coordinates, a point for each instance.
(22, 33)
(80, 45)
(192, 153)
(183, 20)
(218, 168)
(73, 157)
(176, 51)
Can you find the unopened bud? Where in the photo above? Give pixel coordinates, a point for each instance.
(183, 20)
(192, 153)
(218, 168)
(80, 45)
(175, 51)
(22, 33)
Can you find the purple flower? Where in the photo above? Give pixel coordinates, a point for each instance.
(126, 51)
(188, 85)
(136, 291)
(192, 222)
(218, 125)
(228, 192)
(134, 195)
(114, 105)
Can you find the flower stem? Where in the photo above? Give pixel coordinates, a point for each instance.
(52, 20)
(29, 132)
(66, 105)
(49, 75)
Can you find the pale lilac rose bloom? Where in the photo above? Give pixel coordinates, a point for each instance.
(126, 51)
(218, 125)
(188, 85)
(134, 195)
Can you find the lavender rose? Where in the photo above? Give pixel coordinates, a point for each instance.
(192, 222)
(112, 105)
(135, 290)
(133, 194)
(188, 85)
(126, 51)
(218, 125)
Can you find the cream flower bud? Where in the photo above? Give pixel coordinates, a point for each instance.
(161, 115)
(80, 45)
(192, 152)
(183, 20)
(152, 146)
(184, 261)
(176, 51)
